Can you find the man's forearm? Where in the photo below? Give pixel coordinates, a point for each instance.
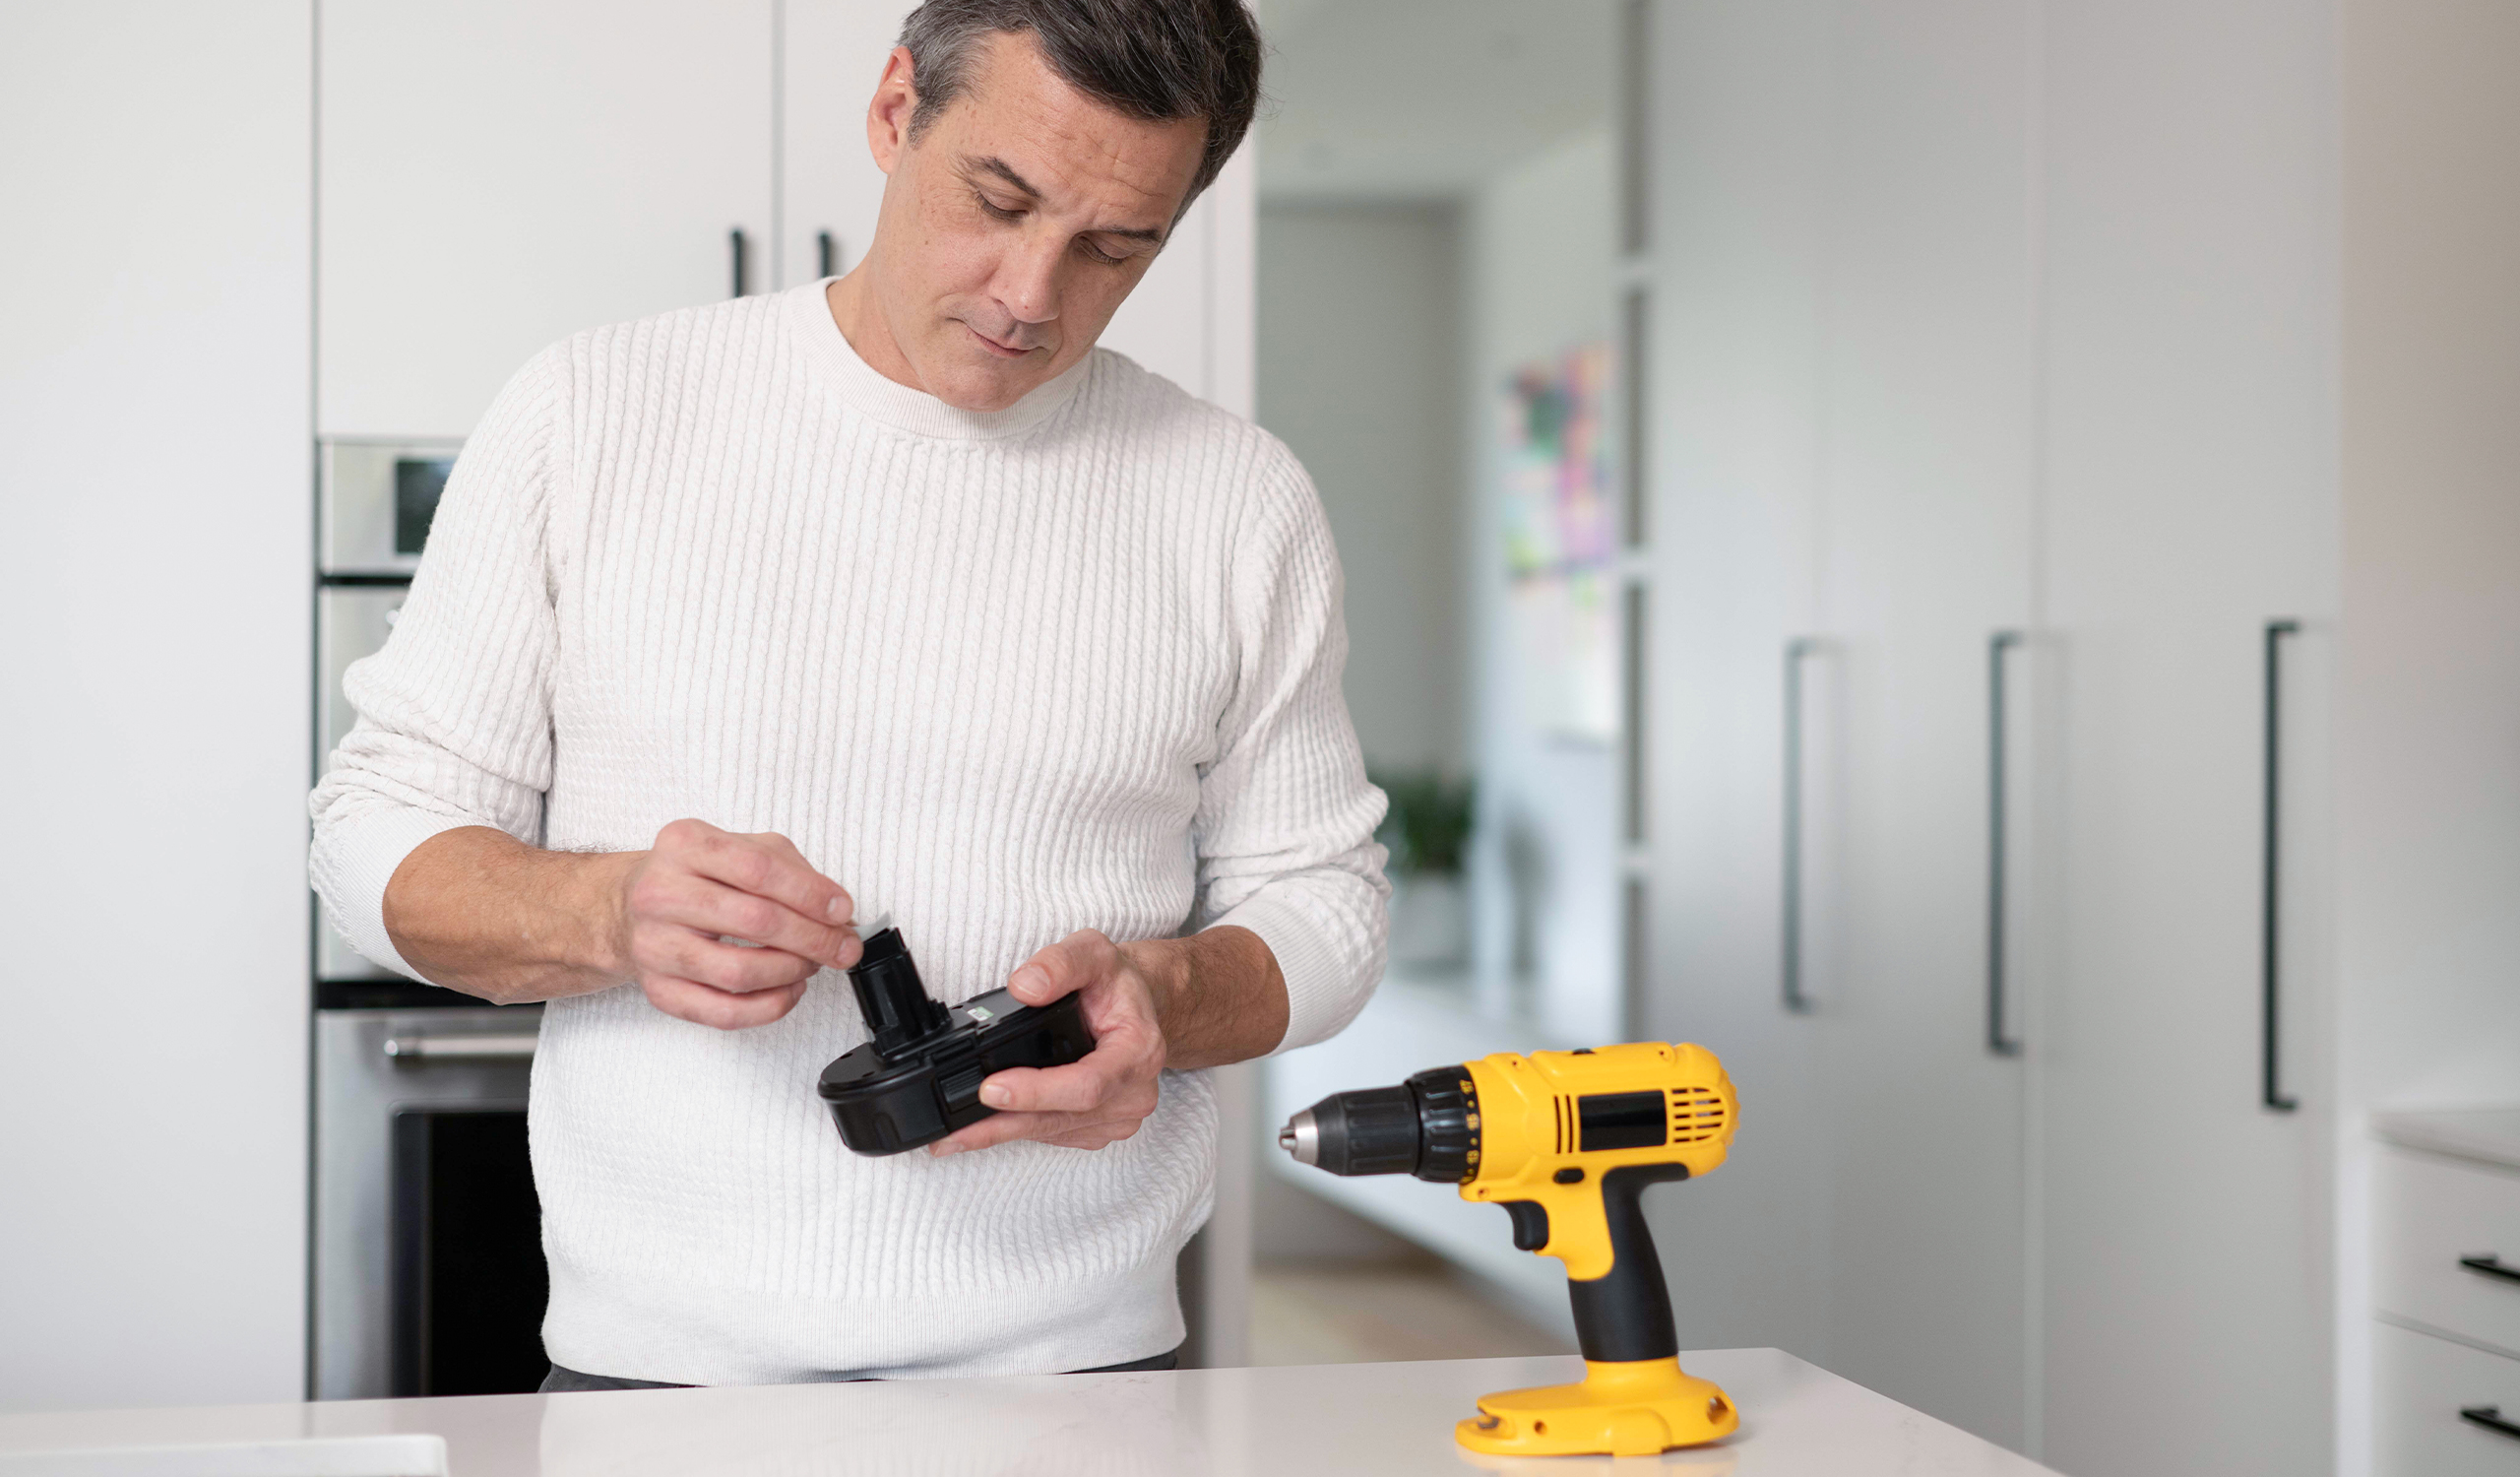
(1218, 994)
(477, 910)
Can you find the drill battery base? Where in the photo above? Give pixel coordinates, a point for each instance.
(1626, 1409)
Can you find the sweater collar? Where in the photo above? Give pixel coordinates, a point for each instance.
(899, 405)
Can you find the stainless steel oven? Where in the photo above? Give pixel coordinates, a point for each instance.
(429, 1244)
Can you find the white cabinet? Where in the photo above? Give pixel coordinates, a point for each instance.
(154, 466)
(1923, 555)
(2187, 497)
(1978, 320)
(1842, 427)
(2443, 1408)
(497, 175)
(2446, 1290)
(830, 55)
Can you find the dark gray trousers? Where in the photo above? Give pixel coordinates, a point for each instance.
(566, 1380)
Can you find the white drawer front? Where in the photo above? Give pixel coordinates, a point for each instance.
(2433, 1212)
(2423, 1384)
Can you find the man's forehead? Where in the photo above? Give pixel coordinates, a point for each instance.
(1020, 122)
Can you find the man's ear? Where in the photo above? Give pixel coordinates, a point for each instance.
(887, 115)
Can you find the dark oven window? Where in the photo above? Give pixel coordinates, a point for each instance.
(418, 483)
(468, 1278)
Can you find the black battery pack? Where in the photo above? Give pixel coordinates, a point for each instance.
(919, 1079)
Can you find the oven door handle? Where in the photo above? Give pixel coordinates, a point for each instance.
(509, 1048)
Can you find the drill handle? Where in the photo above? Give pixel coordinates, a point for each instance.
(1624, 1315)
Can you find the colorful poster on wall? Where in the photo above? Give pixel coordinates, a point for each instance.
(1562, 544)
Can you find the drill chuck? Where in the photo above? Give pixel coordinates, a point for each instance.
(1426, 1126)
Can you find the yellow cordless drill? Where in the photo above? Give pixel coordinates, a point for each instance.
(1566, 1141)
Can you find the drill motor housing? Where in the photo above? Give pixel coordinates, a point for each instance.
(1566, 1141)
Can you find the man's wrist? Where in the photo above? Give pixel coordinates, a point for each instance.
(598, 897)
(1168, 968)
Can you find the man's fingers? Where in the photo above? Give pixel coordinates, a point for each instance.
(711, 907)
(1100, 1083)
(693, 1002)
(1063, 968)
(1068, 1130)
(765, 866)
(679, 953)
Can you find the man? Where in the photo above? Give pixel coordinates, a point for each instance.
(742, 623)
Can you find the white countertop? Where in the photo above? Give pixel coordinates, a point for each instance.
(2490, 1134)
(1387, 1419)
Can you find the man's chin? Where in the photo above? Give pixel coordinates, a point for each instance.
(988, 386)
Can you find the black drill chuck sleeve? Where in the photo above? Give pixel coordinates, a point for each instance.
(1372, 1131)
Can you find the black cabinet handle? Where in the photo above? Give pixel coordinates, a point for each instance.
(2491, 1417)
(1796, 1003)
(825, 255)
(736, 249)
(2270, 982)
(2490, 1265)
(1999, 1039)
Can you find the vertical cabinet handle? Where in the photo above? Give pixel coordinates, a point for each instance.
(825, 255)
(2270, 973)
(735, 250)
(2491, 1417)
(1795, 650)
(1999, 1040)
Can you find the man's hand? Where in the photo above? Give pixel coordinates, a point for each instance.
(698, 887)
(1209, 998)
(477, 910)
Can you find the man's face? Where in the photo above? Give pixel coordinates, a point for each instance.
(1015, 225)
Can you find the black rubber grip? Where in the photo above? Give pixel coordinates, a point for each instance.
(1626, 1314)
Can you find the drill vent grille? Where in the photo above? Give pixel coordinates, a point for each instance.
(1697, 1114)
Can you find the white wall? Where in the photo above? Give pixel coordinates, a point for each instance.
(1357, 374)
(154, 471)
(1541, 257)
(2429, 678)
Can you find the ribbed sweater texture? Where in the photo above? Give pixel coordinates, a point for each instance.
(1004, 675)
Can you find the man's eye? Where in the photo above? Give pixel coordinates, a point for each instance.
(995, 211)
(1094, 251)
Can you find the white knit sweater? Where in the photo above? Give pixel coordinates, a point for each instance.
(1070, 665)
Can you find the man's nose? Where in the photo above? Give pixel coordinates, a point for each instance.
(1028, 283)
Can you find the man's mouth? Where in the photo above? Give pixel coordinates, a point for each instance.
(1002, 351)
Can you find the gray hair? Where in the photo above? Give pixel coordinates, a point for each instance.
(1152, 60)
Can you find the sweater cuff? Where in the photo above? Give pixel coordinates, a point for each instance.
(1323, 993)
(355, 856)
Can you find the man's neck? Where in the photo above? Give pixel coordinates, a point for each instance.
(852, 307)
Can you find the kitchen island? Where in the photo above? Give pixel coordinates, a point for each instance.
(1388, 1420)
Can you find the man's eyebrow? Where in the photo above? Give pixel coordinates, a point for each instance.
(992, 164)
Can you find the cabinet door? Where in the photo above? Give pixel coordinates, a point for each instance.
(497, 174)
(1923, 528)
(831, 55)
(154, 445)
(2189, 475)
(1739, 148)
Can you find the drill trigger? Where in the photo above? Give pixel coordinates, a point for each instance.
(1531, 1224)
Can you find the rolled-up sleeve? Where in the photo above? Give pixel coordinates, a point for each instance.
(1285, 818)
(455, 712)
